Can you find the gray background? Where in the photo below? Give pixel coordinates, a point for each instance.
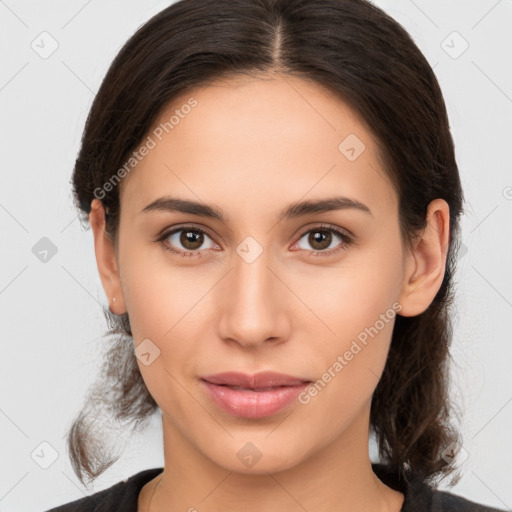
(51, 320)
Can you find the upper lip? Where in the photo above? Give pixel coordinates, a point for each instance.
(258, 380)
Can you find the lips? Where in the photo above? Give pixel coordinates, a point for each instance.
(263, 381)
(253, 396)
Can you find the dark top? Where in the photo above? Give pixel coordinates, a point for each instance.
(419, 496)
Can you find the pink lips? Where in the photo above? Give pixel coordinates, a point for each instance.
(253, 396)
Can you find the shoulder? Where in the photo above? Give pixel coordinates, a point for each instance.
(122, 496)
(420, 496)
(446, 501)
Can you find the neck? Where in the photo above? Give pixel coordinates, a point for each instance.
(337, 477)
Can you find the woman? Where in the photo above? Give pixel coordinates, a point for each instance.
(275, 204)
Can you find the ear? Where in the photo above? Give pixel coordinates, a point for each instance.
(106, 258)
(426, 262)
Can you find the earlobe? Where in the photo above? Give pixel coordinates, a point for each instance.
(106, 259)
(426, 263)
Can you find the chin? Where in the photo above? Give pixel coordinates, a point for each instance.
(257, 456)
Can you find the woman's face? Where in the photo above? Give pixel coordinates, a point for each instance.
(261, 291)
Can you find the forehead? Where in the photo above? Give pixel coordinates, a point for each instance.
(270, 139)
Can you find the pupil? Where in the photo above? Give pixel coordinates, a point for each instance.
(191, 239)
(317, 238)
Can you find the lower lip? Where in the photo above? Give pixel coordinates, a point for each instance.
(253, 404)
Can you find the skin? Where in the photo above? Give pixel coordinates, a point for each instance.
(252, 146)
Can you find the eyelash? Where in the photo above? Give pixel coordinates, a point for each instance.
(346, 240)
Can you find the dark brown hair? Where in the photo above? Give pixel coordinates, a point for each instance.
(369, 61)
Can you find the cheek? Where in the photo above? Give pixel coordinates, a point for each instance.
(159, 295)
(344, 302)
(351, 334)
(169, 321)
(348, 364)
(166, 306)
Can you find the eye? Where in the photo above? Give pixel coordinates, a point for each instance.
(186, 241)
(321, 239)
(189, 241)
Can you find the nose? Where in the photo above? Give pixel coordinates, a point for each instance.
(253, 303)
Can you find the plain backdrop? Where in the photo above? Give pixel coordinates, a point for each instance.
(51, 320)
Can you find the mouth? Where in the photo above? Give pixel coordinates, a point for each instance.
(256, 381)
(253, 396)
(240, 388)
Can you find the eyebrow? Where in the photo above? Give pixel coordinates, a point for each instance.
(294, 210)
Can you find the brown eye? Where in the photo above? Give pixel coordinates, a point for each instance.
(187, 241)
(191, 240)
(322, 241)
